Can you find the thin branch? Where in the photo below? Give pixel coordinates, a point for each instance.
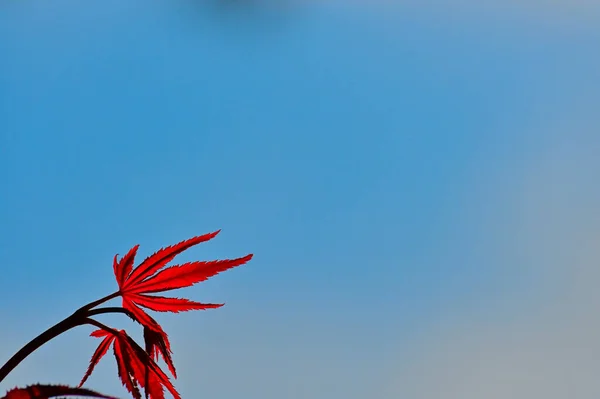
(70, 322)
(76, 319)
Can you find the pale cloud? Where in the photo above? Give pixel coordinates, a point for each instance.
(550, 346)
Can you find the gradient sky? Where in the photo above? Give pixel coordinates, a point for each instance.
(418, 183)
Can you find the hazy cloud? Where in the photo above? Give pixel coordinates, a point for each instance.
(550, 347)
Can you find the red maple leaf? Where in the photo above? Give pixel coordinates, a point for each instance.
(147, 277)
(138, 367)
(40, 391)
(135, 367)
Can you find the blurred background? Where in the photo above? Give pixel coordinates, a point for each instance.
(418, 182)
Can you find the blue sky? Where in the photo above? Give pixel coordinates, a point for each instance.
(392, 168)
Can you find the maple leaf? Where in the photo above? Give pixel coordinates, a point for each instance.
(135, 367)
(147, 277)
(40, 391)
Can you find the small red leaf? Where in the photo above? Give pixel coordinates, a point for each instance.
(137, 369)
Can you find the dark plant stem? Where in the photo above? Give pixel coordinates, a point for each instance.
(111, 309)
(78, 318)
(52, 332)
(91, 305)
(100, 325)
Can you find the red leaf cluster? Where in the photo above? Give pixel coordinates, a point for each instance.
(137, 367)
